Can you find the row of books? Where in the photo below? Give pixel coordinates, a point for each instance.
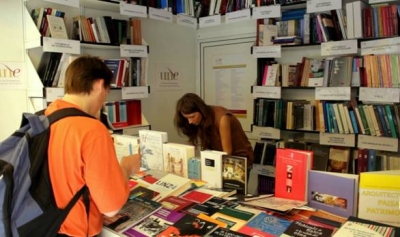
(380, 20)
(124, 113)
(47, 20)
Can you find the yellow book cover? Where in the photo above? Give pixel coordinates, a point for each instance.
(379, 197)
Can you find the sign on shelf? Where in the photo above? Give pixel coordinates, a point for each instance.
(71, 3)
(343, 47)
(381, 46)
(208, 21)
(132, 10)
(273, 11)
(184, 20)
(53, 93)
(61, 45)
(160, 14)
(333, 93)
(271, 92)
(135, 92)
(273, 51)
(378, 143)
(267, 132)
(337, 139)
(236, 16)
(314, 6)
(387, 95)
(136, 51)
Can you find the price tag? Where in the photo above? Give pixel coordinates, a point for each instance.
(135, 92)
(343, 47)
(61, 45)
(236, 16)
(209, 21)
(184, 20)
(332, 93)
(71, 3)
(132, 10)
(136, 51)
(273, 11)
(271, 92)
(53, 93)
(380, 94)
(160, 14)
(378, 143)
(273, 51)
(381, 46)
(323, 5)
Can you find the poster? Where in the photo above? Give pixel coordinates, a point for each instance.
(167, 77)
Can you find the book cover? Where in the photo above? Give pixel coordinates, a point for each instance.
(234, 173)
(134, 211)
(140, 191)
(206, 209)
(301, 229)
(292, 173)
(351, 228)
(234, 218)
(276, 203)
(151, 148)
(339, 159)
(154, 224)
(176, 158)
(176, 203)
(339, 201)
(223, 232)
(265, 225)
(211, 168)
(196, 196)
(170, 185)
(379, 197)
(189, 225)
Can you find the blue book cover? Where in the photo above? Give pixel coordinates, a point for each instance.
(265, 225)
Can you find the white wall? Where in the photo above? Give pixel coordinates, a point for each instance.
(12, 102)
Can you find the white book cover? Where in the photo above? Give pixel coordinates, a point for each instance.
(151, 149)
(170, 185)
(125, 145)
(57, 27)
(211, 168)
(176, 158)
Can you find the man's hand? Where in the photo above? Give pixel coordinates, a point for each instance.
(130, 164)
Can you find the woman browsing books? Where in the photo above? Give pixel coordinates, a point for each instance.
(211, 127)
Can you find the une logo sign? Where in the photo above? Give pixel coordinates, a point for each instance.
(8, 72)
(169, 75)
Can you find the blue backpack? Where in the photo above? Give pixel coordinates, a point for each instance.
(27, 203)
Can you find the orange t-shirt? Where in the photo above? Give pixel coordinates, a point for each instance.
(81, 152)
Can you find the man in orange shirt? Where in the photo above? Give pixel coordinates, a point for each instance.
(81, 151)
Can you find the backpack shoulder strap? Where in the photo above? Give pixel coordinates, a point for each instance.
(66, 112)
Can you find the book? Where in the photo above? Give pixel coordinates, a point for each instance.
(134, 211)
(211, 167)
(351, 228)
(170, 185)
(234, 218)
(223, 232)
(379, 196)
(302, 229)
(234, 173)
(151, 148)
(57, 27)
(342, 202)
(142, 192)
(189, 225)
(154, 224)
(176, 203)
(292, 173)
(196, 196)
(265, 225)
(176, 158)
(276, 203)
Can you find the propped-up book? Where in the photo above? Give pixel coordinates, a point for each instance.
(291, 177)
(176, 158)
(265, 225)
(154, 224)
(341, 201)
(189, 225)
(134, 211)
(170, 185)
(234, 173)
(379, 196)
(211, 168)
(151, 148)
(125, 145)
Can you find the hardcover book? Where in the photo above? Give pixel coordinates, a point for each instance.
(292, 173)
(176, 158)
(170, 185)
(234, 173)
(134, 211)
(151, 148)
(154, 224)
(341, 201)
(379, 197)
(189, 225)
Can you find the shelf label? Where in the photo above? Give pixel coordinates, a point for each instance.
(273, 11)
(273, 51)
(380, 1)
(378, 143)
(266, 170)
(209, 21)
(135, 92)
(71, 3)
(136, 51)
(386, 95)
(61, 45)
(236, 16)
(160, 14)
(343, 47)
(132, 10)
(323, 5)
(337, 139)
(271, 92)
(332, 93)
(184, 20)
(53, 93)
(381, 46)
(267, 132)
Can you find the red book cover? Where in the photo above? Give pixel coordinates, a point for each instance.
(176, 203)
(291, 175)
(197, 196)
